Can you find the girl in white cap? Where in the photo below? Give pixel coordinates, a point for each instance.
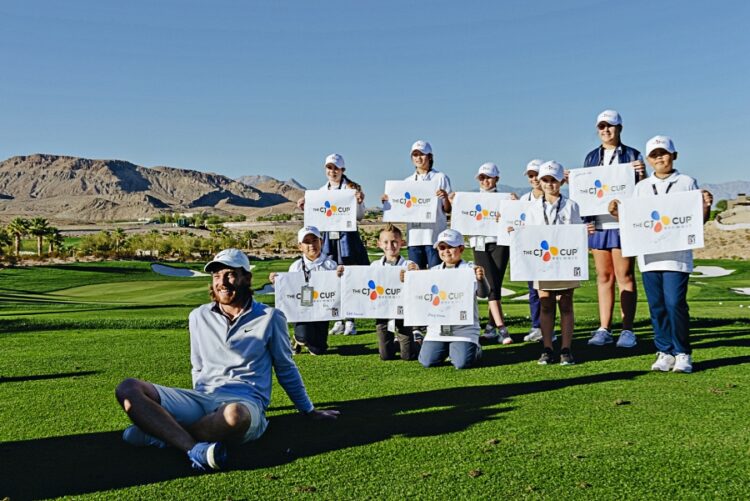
(611, 267)
(665, 275)
(532, 174)
(344, 247)
(494, 259)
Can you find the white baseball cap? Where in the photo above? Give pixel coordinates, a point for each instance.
(552, 168)
(660, 142)
(307, 230)
(233, 258)
(609, 116)
(450, 237)
(422, 146)
(488, 169)
(533, 165)
(335, 159)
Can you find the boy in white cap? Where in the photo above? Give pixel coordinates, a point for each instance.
(532, 174)
(555, 208)
(604, 243)
(462, 345)
(343, 247)
(312, 335)
(493, 258)
(665, 275)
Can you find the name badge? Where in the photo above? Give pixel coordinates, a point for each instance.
(334, 235)
(392, 325)
(306, 296)
(480, 244)
(446, 330)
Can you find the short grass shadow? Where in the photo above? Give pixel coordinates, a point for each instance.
(16, 379)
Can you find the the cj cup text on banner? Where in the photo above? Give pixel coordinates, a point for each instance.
(513, 216)
(439, 297)
(372, 292)
(664, 223)
(549, 252)
(478, 213)
(331, 210)
(410, 202)
(326, 296)
(593, 188)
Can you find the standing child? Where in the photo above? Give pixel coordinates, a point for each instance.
(462, 345)
(554, 208)
(532, 174)
(313, 335)
(390, 242)
(665, 275)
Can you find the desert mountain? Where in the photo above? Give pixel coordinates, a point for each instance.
(65, 188)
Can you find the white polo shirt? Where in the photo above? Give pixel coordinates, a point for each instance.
(468, 333)
(426, 233)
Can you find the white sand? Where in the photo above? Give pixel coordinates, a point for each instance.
(711, 271)
(742, 290)
(171, 271)
(525, 297)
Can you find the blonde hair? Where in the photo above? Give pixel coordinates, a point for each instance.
(391, 228)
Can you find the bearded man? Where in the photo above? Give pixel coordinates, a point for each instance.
(234, 344)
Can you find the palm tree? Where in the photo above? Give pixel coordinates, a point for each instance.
(18, 228)
(55, 240)
(5, 239)
(39, 227)
(119, 238)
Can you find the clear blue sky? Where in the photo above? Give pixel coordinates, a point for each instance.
(272, 87)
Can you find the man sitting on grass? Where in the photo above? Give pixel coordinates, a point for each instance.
(234, 342)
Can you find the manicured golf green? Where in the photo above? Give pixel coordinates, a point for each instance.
(606, 428)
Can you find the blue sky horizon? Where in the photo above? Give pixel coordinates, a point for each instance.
(242, 88)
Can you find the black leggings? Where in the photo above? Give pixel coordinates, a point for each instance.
(494, 260)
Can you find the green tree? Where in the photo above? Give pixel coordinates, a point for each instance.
(721, 205)
(18, 228)
(55, 240)
(119, 238)
(39, 227)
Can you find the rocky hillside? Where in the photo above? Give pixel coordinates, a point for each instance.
(79, 189)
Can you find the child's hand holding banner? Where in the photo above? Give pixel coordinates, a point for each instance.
(331, 210)
(410, 202)
(318, 300)
(650, 225)
(439, 297)
(513, 215)
(372, 292)
(594, 187)
(478, 213)
(549, 252)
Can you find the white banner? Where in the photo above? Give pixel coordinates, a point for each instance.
(372, 292)
(663, 223)
(513, 215)
(439, 297)
(478, 213)
(549, 252)
(331, 210)
(326, 296)
(594, 187)
(410, 202)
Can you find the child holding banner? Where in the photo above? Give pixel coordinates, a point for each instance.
(390, 242)
(313, 335)
(554, 208)
(494, 259)
(344, 247)
(604, 243)
(460, 342)
(665, 275)
(532, 174)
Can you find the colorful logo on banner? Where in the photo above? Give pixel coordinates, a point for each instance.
(600, 188)
(548, 252)
(330, 210)
(374, 291)
(317, 295)
(478, 213)
(659, 223)
(409, 200)
(437, 296)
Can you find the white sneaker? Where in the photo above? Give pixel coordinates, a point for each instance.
(490, 335)
(418, 336)
(626, 339)
(338, 328)
(683, 363)
(535, 334)
(349, 328)
(504, 335)
(139, 438)
(664, 362)
(600, 337)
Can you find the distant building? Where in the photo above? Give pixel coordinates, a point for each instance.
(742, 200)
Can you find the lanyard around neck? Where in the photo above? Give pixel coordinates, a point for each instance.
(669, 187)
(341, 183)
(557, 211)
(612, 159)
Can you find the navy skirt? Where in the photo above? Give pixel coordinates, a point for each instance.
(605, 240)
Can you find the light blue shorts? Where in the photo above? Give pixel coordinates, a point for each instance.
(188, 406)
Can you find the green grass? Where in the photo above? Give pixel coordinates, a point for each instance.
(605, 428)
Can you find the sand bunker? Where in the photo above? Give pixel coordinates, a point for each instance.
(171, 271)
(742, 290)
(711, 271)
